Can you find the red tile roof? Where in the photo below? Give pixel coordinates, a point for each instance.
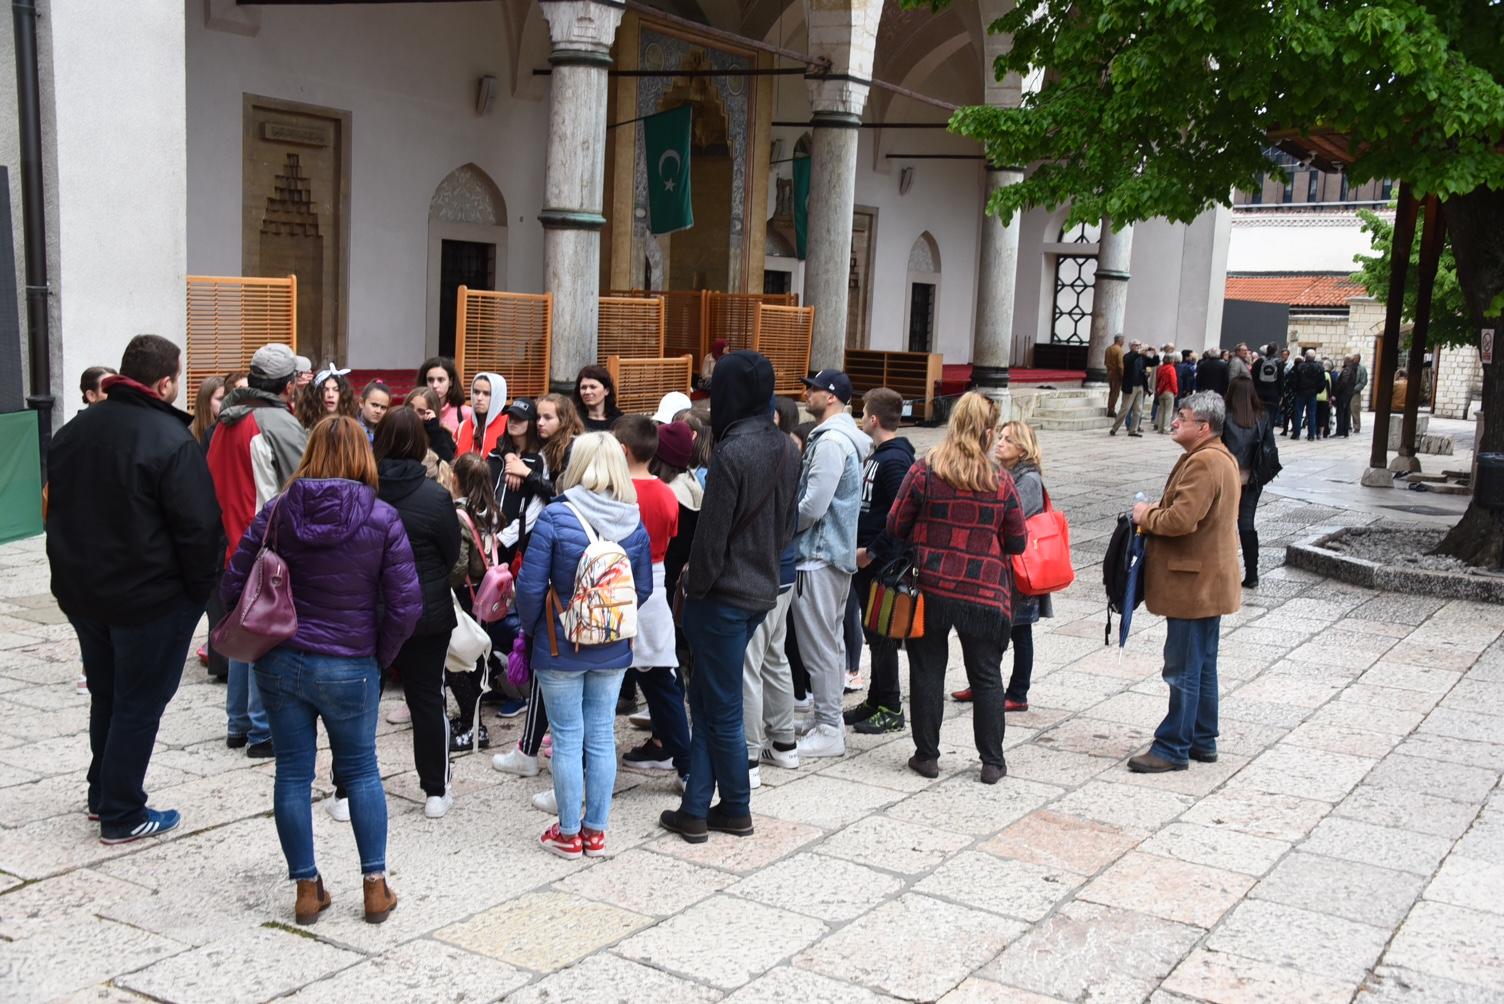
(1294, 290)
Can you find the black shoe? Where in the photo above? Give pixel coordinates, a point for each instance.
(860, 713)
(649, 756)
(924, 768)
(1251, 582)
(1150, 763)
(236, 742)
(691, 829)
(738, 826)
(1204, 756)
(463, 741)
(260, 751)
(992, 774)
(885, 720)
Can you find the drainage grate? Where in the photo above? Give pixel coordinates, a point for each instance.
(1421, 510)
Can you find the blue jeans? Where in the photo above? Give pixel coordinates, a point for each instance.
(664, 690)
(582, 716)
(299, 688)
(1305, 415)
(244, 709)
(133, 671)
(1191, 671)
(719, 634)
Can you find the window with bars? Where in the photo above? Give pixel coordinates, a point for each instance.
(1075, 283)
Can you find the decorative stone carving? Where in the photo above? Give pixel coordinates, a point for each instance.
(924, 256)
(468, 195)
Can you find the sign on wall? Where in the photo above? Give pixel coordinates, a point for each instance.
(1486, 346)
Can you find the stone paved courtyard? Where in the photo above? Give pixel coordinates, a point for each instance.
(1349, 845)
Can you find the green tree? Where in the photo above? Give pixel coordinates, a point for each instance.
(1163, 107)
(1449, 316)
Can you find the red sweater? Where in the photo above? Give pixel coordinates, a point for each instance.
(961, 540)
(1165, 379)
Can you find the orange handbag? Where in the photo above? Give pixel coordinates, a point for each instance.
(1045, 565)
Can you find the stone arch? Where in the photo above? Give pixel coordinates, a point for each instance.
(924, 255)
(467, 244)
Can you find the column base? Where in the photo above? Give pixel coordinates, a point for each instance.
(1404, 465)
(1094, 376)
(985, 377)
(1377, 477)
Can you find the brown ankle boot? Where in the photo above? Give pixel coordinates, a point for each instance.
(312, 900)
(380, 900)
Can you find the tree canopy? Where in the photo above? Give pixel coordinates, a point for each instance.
(1162, 107)
(1450, 324)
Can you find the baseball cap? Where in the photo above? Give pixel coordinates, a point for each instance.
(833, 380)
(302, 364)
(676, 442)
(273, 362)
(524, 408)
(673, 402)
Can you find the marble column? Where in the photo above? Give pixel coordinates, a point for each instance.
(1109, 297)
(832, 200)
(574, 175)
(997, 274)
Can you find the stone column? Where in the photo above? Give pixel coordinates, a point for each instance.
(574, 174)
(836, 123)
(1109, 297)
(997, 273)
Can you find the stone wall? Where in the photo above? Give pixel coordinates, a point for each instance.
(1459, 381)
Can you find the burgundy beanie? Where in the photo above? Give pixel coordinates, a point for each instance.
(676, 444)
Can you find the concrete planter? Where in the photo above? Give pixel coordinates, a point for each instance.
(1314, 555)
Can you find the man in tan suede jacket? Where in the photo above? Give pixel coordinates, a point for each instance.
(1191, 578)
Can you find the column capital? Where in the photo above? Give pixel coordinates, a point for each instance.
(582, 25)
(838, 94)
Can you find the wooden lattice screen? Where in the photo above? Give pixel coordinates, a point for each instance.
(229, 318)
(506, 333)
(783, 335)
(630, 326)
(641, 383)
(683, 320)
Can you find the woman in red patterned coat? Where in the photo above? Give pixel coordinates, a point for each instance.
(961, 517)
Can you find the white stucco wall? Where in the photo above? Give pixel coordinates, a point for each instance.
(1267, 241)
(407, 74)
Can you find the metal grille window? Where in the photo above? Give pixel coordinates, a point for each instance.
(1075, 281)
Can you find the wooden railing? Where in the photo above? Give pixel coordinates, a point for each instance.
(229, 318)
(641, 383)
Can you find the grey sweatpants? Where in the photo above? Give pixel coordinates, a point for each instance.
(819, 617)
(768, 682)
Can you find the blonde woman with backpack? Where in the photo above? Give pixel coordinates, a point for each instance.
(582, 617)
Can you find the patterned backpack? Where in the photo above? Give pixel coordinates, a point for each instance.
(603, 608)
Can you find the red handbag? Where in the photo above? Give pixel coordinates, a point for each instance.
(265, 615)
(1045, 565)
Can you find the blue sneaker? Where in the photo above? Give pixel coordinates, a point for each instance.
(512, 708)
(157, 823)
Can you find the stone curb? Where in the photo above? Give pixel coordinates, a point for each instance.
(1312, 555)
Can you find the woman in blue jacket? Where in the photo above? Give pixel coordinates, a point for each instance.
(580, 684)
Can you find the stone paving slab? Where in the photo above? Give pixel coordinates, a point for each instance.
(1347, 846)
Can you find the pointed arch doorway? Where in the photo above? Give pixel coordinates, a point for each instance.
(467, 246)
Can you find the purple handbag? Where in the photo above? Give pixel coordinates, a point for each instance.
(265, 617)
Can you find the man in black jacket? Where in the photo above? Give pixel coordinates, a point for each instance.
(1135, 386)
(132, 536)
(731, 582)
(1211, 372)
(1310, 380)
(882, 475)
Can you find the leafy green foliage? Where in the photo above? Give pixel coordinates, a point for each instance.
(1162, 107)
(1449, 314)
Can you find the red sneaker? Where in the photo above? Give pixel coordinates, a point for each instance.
(594, 842)
(203, 656)
(555, 842)
(961, 695)
(1015, 705)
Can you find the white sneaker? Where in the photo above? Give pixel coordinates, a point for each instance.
(545, 801)
(754, 777)
(338, 809)
(680, 783)
(640, 720)
(514, 761)
(438, 805)
(787, 759)
(82, 686)
(805, 706)
(823, 741)
(399, 714)
(803, 725)
(854, 683)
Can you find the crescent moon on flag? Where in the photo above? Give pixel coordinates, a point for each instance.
(679, 162)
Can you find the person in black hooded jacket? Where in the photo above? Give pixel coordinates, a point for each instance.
(434, 532)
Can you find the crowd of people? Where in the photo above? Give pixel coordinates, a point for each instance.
(720, 556)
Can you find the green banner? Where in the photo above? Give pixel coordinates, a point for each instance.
(801, 207)
(666, 139)
(20, 476)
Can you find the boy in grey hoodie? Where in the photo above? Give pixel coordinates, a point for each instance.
(830, 502)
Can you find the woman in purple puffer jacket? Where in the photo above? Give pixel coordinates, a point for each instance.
(357, 597)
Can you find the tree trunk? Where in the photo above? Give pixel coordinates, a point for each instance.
(1475, 222)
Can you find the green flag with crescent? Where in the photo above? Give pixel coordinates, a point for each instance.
(801, 207)
(666, 138)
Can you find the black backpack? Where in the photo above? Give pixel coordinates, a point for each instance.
(1115, 574)
(1266, 465)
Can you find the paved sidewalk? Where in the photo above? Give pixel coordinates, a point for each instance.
(1349, 844)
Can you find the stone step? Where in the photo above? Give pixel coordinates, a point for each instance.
(1070, 409)
(1072, 424)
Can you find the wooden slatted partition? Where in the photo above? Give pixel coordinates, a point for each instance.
(732, 316)
(506, 333)
(783, 334)
(683, 320)
(913, 374)
(630, 326)
(229, 318)
(641, 383)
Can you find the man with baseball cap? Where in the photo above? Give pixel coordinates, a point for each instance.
(830, 502)
(302, 371)
(256, 447)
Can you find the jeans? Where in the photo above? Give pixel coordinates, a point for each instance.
(664, 691)
(133, 671)
(244, 710)
(852, 632)
(767, 683)
(299, 688)
(1305, 415)
(1191, 671)
(983, 655)
(720, 635)
(1022, 636)
(582, 708)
